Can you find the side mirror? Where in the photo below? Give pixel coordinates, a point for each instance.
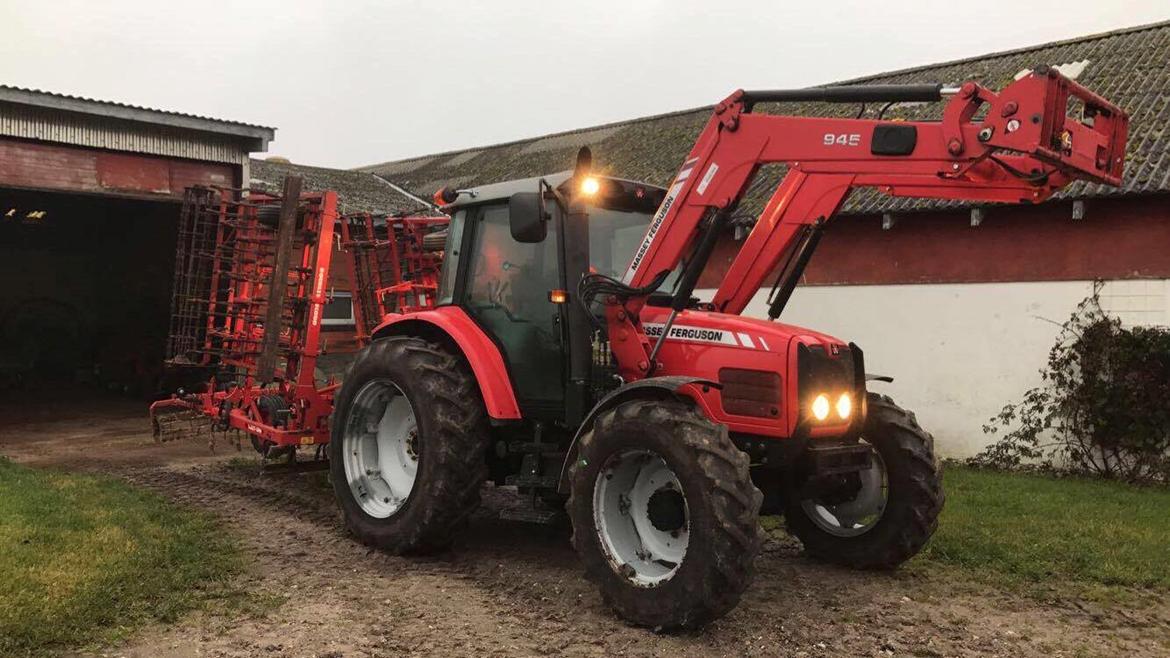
(527, 218)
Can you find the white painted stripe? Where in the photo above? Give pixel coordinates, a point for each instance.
(707, 178)
(765, 344)
(682, 175)
(747, 341)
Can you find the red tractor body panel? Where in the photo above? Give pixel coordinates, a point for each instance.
(482, 354)
(705, 344)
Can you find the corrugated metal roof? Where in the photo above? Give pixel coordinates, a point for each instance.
(1130, 67)
(65, 102)
(64, 127)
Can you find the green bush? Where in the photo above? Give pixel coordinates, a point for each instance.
(1103, 408)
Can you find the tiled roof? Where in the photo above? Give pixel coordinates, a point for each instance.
(357, 191)
(1130, 67)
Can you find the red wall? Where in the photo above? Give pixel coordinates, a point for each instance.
(1117, 239)
(39, 165)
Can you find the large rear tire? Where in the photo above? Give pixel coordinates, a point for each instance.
(665, 516)
(407, 449)
(898, 519)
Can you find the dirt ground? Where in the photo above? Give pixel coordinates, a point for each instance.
(515, 589)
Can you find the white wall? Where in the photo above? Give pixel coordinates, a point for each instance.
(959, 352)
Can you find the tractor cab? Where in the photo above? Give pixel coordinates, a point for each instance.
(515, 252)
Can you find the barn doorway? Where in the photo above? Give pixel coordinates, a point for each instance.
(86, 291)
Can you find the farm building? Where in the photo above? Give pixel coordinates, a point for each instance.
(90, 197)
(960, 304)
(89, 207)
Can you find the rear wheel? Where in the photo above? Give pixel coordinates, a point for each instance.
(665, 517)
(407, 451)
(880, 517)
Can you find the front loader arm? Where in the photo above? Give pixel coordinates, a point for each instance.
(1025, 148)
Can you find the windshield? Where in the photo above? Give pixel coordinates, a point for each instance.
(613, 237)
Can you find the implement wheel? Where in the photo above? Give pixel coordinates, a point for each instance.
(407, 450)
(881, 517)
(665, 516)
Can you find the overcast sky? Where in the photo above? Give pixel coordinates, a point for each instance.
(349, 83)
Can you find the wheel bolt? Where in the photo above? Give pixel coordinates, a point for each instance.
(623, 504)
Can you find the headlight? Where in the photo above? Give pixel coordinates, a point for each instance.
(844, 406)
(820, 407)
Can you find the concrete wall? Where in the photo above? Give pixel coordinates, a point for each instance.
(959, 352)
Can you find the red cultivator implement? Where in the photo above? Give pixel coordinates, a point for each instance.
(396, 263)
(251, 283)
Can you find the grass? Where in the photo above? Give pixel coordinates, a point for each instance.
(86, 559)
(1047, 536)
(1032, 529)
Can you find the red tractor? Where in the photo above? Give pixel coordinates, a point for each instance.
(567, 355)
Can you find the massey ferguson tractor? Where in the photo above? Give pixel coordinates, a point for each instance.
(567, 355)
(562, 350)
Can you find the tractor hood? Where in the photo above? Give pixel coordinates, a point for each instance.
(733, 330)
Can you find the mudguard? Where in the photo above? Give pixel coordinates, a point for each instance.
(481, 353)
(651, 387)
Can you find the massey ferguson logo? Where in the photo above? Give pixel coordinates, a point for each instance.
(695, 334)
(654, 226)
(659, 216)
(688, 333)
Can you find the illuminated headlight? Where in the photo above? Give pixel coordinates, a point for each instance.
(844, 406)
(590, 186)
(820, 407)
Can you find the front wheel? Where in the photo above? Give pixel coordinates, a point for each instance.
(665, 516)
(882, 516)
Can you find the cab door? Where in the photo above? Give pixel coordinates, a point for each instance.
(506, 291)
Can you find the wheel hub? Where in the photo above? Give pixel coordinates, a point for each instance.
(666, 510)
(641, 516)
(853, 507)
(380, 448)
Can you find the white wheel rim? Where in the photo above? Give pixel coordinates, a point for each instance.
(380, 448)
(644, 548)
(859, 515)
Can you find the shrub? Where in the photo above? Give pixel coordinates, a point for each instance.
(1103, 408)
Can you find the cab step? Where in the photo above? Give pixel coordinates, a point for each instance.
(534, 481)
(531, 515)
(534, 448)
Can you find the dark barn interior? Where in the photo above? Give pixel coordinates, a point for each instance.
(86, 293)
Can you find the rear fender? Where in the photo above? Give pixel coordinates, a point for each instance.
(451, 324)
(653, 388)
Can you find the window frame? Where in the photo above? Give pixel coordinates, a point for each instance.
(339, 323)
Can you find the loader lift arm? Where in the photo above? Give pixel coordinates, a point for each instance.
(1024, 148)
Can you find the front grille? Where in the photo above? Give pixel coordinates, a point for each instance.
(818, 372)
(750, 392)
